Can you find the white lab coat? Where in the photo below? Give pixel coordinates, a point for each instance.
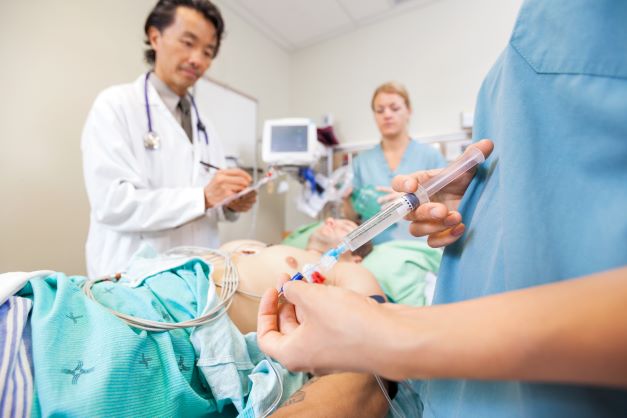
(139, 195)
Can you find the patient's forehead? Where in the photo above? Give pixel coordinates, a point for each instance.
(347, 223)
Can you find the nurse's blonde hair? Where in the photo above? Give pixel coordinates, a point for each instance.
(392, 87)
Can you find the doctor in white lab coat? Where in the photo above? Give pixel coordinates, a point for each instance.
(161, 192)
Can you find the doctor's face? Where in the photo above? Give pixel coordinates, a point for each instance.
(184, 50)
(391, 114)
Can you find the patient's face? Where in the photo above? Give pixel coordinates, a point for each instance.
(330, 234)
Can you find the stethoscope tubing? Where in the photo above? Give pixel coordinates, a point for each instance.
(199, 125)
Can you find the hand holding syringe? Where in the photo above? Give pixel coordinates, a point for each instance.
(398, 209)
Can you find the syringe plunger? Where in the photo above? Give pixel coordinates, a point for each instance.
(470, 158)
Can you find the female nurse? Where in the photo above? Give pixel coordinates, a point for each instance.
(397, 153)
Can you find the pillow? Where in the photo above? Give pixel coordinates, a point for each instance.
(401, 268)
(299, 237)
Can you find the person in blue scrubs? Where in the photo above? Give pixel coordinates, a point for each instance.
(397, 153)
(530, 318)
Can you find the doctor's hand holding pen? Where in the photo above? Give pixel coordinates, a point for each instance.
(226, 183)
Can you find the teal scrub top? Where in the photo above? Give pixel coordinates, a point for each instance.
(550, 203)
(371, 168)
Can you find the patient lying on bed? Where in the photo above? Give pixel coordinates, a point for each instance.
(89, 363)
(259, 265)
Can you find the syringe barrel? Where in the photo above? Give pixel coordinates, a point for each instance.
(471, 157)
(389, 215)
(400, 207)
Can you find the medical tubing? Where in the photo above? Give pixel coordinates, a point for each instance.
(395, 412)
(229, 288)
(277, 400)
(199, 125)
(146, 101)
(253, 222)
(231, 277)
(229, 285)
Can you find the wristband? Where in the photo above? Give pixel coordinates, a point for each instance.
(378, 298)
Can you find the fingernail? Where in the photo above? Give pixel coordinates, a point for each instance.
(457, 231)
(407, 185)
(450, 222)
(434, 213)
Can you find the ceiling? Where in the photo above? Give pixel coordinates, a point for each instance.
(295, 24)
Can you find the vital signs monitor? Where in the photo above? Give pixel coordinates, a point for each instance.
(291, 141)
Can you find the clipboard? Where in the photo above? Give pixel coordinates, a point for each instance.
(268, 177)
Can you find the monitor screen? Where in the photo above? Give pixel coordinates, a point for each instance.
(289, 138)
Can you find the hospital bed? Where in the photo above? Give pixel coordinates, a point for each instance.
(65, 353)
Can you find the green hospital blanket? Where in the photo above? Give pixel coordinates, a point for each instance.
(299, 237)
(400, 268)
(88, 362)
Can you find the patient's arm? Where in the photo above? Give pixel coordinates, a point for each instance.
(355, 277)
(336, 395)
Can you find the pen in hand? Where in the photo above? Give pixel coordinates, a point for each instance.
(210, 165)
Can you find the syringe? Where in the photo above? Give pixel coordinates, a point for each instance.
(397, 209)
(407, 203)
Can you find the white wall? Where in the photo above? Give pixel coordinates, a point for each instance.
(55, 57)
(255, 65)
(440, 51)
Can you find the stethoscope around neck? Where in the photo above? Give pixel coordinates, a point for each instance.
(151, 138)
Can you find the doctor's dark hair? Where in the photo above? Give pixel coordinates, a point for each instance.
(162, 16)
